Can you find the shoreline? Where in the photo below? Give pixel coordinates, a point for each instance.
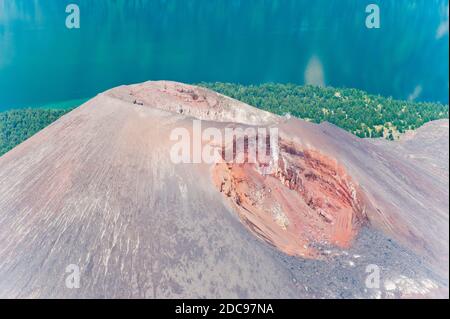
(60, 105)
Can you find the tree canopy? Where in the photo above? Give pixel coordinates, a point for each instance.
(356, 111)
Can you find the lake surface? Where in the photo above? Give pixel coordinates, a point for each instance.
(322, 42)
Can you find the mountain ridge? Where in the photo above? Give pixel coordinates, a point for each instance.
(97, 188)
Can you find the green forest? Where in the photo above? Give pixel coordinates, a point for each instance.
(354, 110)
(18, 125)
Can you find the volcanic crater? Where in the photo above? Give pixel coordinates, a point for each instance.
(140, 226)
(305, 201)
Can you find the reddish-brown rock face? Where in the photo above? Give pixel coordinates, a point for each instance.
(307, 201)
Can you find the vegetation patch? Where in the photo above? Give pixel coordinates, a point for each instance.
(18, 125)
(356, 111)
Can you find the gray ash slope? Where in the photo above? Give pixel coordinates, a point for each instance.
(97, 189)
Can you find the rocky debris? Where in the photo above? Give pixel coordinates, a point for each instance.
(97, 189)
(193, 101)
(308, 199)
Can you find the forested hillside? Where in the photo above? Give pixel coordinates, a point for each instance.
(356, 111)
(18, 125)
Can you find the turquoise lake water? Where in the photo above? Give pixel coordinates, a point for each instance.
(322, 42)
